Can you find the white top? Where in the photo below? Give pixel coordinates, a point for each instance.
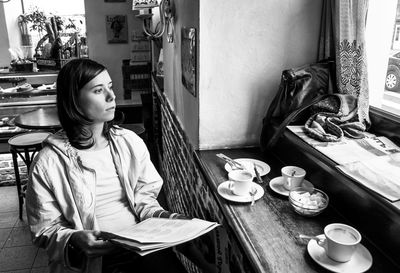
(112, 209)
(60, 184)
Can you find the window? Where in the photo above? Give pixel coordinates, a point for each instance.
(17, 33)
(383, 55)
(71, 14)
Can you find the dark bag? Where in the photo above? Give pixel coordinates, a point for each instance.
(299, 89)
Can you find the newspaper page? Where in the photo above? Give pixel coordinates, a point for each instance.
(372, 161)
(350, 150)
(381, 174)
(154, 234)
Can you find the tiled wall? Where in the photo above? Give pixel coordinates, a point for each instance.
(187, 192)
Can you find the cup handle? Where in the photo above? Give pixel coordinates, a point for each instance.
(322, 242)
(231, 186)
(289, 182)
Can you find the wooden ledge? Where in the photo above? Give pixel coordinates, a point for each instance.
(267, 231)
(376, 217)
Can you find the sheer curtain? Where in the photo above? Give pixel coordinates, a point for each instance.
(343, 38)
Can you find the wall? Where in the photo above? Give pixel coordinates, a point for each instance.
(7, 174)
(185, 105)
(111, 55)
(242, 52)
(241, 60)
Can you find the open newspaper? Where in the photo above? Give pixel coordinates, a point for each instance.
(155, 234)
(373, 161)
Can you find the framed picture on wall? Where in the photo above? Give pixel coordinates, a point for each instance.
(117, 29)
(189, 59)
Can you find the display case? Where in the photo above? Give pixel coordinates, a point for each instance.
(23, 92)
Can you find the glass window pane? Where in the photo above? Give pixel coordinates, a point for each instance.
(70, 13)
(391, 94)
(383, 54)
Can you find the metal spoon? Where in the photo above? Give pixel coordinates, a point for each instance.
(253, 192)
(234, 164)
(258, 177)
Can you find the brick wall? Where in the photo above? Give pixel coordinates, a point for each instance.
(7, 175)
(187, 192)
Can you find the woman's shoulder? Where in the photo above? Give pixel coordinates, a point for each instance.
(46, 159)
(120, 132)
(128, 140)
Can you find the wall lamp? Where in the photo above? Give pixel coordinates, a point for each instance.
(166, 23)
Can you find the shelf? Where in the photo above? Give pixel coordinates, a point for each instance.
(144, 16)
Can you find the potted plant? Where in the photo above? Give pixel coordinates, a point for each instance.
(35, 18)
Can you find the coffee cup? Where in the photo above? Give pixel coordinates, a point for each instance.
(241, 181)
(292, 176)
(340, 241)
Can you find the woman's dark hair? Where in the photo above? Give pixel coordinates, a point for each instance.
(72, 77)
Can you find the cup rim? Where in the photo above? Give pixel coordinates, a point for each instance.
(233, 172)
(301, 173)
(329, 226)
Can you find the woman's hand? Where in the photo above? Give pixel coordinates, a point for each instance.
(168, 214)
(91, 242)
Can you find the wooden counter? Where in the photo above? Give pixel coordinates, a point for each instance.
(261, 238)
(267, 231)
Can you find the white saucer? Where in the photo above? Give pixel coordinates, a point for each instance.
(276, 185)
(360, 262)
(226, 192)
(262, 167)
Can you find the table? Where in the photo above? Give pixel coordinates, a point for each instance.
(131, 108)
(134, 101)
(42, 118)
(268, 230)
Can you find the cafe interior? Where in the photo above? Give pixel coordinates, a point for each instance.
(216, 87)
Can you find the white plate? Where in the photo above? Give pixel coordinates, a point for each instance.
(226, 192)
(262, 167)
(360, 262)
(276, 185)
(46, 87)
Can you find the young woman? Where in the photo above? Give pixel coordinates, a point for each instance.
(91, 177)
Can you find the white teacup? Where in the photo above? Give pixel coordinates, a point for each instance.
(241, 181)
(292, 176)
(340, 242)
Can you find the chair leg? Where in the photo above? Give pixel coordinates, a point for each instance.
(18, 182)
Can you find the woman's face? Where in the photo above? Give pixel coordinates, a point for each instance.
(97, 100)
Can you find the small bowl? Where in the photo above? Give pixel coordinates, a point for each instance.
(308, 202)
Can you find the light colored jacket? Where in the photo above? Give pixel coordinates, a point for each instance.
(59, 201)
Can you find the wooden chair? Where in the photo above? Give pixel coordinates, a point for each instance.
(26, 145)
